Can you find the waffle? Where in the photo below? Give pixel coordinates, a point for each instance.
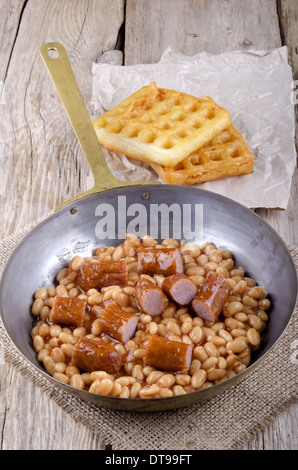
(225, 155)
(160, 126)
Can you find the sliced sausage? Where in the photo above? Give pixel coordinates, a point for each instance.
(117, 323)
(150, 297)
(212, 297)
(180, 288)
(165, 354)
(164, 261)
(96, 275)
(68, 311)
(89, 355)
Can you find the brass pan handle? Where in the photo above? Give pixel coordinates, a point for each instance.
(59, 68)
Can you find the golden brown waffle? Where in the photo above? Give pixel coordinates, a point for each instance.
(225, 155)
(161, 126)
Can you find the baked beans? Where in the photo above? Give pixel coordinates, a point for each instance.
(220, 349)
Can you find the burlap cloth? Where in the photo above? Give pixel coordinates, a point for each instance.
(227, 421)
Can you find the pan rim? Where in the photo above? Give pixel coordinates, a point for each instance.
(149, 401)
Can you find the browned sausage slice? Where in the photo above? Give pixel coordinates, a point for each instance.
(212, 297)
(164, 261)
(165, 354)
(68, 311)
(90, 355)
(150, 297)
(95, 275)
(117, 323)
(180, 288)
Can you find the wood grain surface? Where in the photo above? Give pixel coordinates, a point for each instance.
(37, 173)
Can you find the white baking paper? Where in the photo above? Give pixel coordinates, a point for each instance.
(254, 86)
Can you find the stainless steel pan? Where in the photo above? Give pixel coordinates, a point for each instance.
(71, 230)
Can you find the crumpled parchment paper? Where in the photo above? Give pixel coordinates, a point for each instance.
(254, 86)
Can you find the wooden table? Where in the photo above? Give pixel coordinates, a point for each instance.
(36, 174)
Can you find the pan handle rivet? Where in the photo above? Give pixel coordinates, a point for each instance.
(146, 195)
(73, 210)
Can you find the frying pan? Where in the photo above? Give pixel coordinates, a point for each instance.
(71, 230)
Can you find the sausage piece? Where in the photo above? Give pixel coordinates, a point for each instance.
(96, 275)
(212, 297)
(90, 355)
(150, 297)
(165, 354)
(180, 288)
(164, 261)
(68, 311)
(117, 323)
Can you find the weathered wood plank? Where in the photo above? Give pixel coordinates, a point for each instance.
(10, 13)
(34, 125)
(214, 26)
(192, 26)
(38, 149)
(88, 28)
(286, 222)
